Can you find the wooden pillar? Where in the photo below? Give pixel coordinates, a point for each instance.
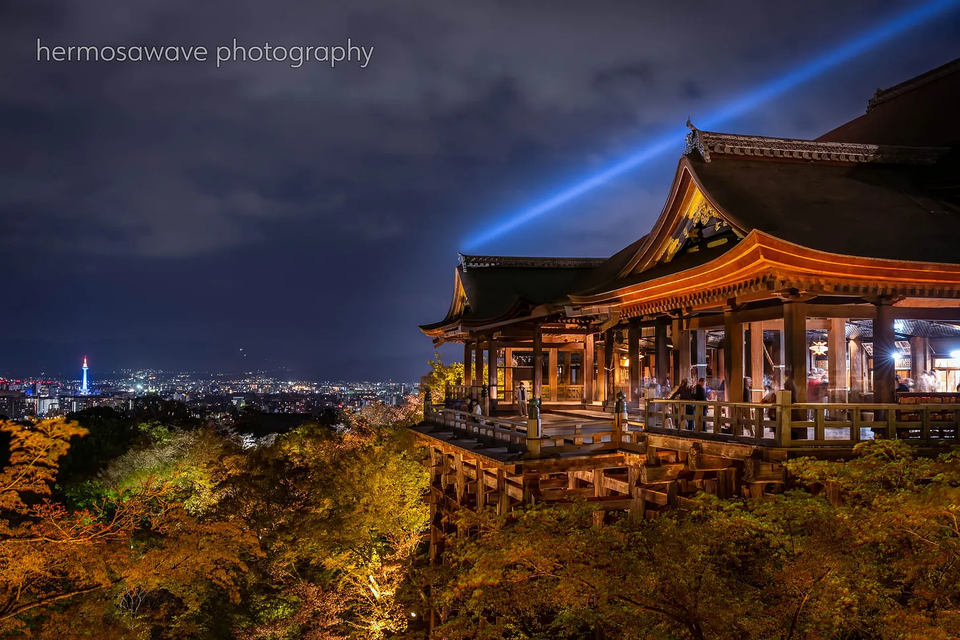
(700, 353)
(507, 393)
(503, 500)
(467, 362)
(633, 351)
(609, 366)
(795, 345)
(837, 360)
(662, 357)
(567, 367)
(537, 361)
(756, 360)
(493, 371)
(681, 351)
(686, 360)
(478, 370)
(733, 357)
(884, 366)
(588, 369)
(481, 487)
(918, 357)
(856, 370)
(721, 367)
(601, 386)
(552, 373)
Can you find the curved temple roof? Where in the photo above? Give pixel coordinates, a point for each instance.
(872, 206)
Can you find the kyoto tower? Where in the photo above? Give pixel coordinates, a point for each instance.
(84, 388)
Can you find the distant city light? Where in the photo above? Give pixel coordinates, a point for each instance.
(748, 101)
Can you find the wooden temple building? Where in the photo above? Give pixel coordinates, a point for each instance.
(835, 261)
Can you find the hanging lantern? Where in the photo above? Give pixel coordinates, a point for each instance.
(819, 348)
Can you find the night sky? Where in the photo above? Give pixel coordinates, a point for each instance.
(167, 215)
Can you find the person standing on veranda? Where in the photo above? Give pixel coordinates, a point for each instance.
(522, 398)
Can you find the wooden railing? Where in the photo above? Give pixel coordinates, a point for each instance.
(745, 422)
(465, 391)
(510, 432)
(566, 392)
(806, 424)
(781, 425)
(531, 436)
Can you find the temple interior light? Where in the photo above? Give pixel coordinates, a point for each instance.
(955, 354)
(819, 348)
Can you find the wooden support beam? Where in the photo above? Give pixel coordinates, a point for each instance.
(598, 488)
(481, 487)
(459, 478)
(919, 313)
(662, 356)
(467, 362)
(701, 462)
(493, 370)
(846, 311)
(727, 483)
(552, 373)
(617, 485)
(660, 474)
(919, 349)
(884, 366)
(601, 378)
(857, 370)
(537, 362)
(609, 366)
(528, 344)
(756, 470)
(633, 351)
(478, 369)
(588, 369)
(837, 360)
(681, 350)
(756, 360)
(569, 465)
(699, 354)
(503, 500)
(795, 345)
(733, 357)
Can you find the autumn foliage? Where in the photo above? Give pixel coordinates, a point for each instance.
(187, 531)
(193, 534)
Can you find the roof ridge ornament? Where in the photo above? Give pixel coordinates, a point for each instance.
(475, 262)
(695, 143)
(709, 142)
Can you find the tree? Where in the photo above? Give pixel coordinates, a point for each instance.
(109, 435)
(130, 542)
(340, 516)
(441, 376)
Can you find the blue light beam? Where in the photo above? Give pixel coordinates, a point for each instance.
(737, 107)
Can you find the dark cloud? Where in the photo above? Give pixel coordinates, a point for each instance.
(169, 214)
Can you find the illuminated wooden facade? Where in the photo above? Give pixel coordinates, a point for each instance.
(764, 247)
(771, 257)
